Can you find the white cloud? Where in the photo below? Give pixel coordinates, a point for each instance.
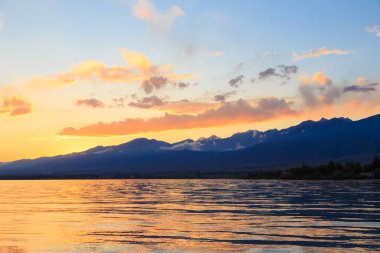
(144, 10)
(374, 29)
(271, 53)
(187, 145)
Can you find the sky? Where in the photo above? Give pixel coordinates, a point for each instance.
(78, 74)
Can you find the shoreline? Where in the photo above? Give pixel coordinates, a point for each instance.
(334, 171)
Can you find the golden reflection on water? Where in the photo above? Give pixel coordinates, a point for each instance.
(189, 215)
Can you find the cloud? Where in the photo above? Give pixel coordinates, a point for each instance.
(318, 78)
(281, 71)
(362, 86)
(144, 10)
(229, 113)
(155, 82)
(158, 82)
(285, 70)
(187, 107)
(139, 61)
(330, 95)
(186, 145)
(318, 90)
(222, 97)
(361, 80)
(118, 102)
(147, 102)
(235, 82)
(181, 85)
(318, 52)
(358, 88)
(263, 75)
(139, 69)
(315, 96)
(92, 102)
(271, 53)
(308, 95)
(374, 29)
(15, 106)
(217, 53)
(176, 107)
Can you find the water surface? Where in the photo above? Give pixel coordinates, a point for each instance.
(189, 216)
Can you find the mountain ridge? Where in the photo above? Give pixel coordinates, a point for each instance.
(308, 142)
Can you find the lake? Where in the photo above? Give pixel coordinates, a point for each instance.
(118, 216)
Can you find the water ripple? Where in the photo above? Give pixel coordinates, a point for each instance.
(189, 216)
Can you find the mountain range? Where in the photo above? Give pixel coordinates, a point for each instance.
(311, 142)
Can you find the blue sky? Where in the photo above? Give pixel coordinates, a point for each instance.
(63, 32)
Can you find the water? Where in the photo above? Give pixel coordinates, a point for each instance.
(189, 216)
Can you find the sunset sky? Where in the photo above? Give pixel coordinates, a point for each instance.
(77, 74)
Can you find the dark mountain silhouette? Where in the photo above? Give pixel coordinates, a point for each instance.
(311, 142)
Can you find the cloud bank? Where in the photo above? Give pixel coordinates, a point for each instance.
(319, 90)
(229, 113)
(139, 69)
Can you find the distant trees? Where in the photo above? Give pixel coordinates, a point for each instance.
(376, 163)
(331, 170)
(375, 167)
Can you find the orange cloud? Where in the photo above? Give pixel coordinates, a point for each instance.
(317, 78)
(318, 52)
(138, 69)
(139, 60)
(229, 113)
(15, 106)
